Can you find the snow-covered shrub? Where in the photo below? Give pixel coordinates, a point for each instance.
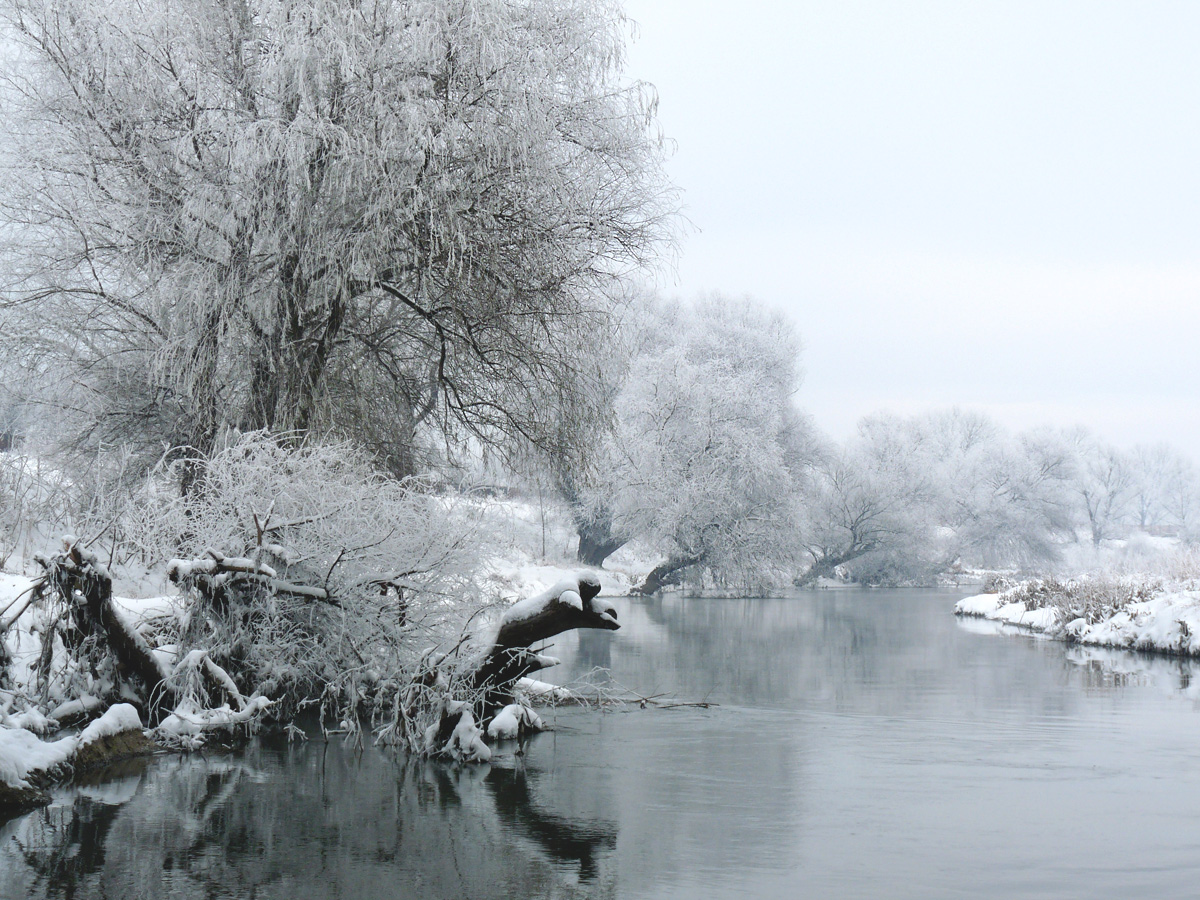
(33, 497)
(310, 577)
(1093, 599)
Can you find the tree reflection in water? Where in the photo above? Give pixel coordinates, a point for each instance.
(314, 820)
(563, 838)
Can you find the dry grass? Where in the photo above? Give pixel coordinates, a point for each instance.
(1093, 598)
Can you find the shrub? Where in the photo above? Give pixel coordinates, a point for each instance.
(395, 560)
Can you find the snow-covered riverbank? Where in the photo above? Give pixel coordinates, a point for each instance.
(1155, 619)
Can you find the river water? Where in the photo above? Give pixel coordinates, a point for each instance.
(863, 744)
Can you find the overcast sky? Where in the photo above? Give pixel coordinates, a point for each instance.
(988, 204)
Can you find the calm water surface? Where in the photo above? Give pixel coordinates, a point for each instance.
(866, 744)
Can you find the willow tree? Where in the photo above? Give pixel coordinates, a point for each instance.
(707, 448)
(358, 217)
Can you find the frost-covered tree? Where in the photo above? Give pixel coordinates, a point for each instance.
(356, 218)
(1000, 500)
(910, 497)
(870, 498)
(1104, 486)
(1180, 499)
(1160, 476)
(707, 446)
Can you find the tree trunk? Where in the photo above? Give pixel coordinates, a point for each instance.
(572, 603)
(86, 588)
(666, 574)
(823, 567)
(596, 540)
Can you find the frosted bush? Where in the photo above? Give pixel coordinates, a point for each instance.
(394, 559)
(1093, 599)
(33, 498)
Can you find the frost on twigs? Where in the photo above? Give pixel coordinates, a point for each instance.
(311, 579)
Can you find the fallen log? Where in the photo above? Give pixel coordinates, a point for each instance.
(571, 603)
(28, 764)
(215, 576)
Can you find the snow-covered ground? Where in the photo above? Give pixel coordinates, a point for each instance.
(1167, 622)
(531, 545)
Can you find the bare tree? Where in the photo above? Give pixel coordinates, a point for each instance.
(361, 218)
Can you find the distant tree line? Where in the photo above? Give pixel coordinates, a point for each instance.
(707, 458)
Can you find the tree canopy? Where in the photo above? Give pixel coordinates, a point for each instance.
(364, 218)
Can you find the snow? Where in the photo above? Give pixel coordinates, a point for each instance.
(543, 690)
(507, 724)
(1169, 623)
(120, 717)
(32, 720)
(22, 753)
(565, 590)
(523, 564)
(77, 707)
(466, 742)
(1166, 623)
(984, 605)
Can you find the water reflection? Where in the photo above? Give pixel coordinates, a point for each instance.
(562, 838)
(314, 820)
(865, 744)
(1105, 668)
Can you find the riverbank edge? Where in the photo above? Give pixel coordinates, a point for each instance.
(31, 765)
(1167, 624)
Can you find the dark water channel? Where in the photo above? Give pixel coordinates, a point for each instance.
(867, 744)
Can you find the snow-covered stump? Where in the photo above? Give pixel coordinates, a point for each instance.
(571, 603)
(86, 588)
(28, 764)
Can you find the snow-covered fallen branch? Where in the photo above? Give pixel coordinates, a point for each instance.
(481, 698)
(188, 725)
(571, 603)
(216, 573)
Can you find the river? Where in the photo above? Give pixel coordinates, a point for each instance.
(862, 744)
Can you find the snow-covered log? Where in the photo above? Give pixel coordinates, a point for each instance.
(28, 764)
(216, 575)
(460, 725)
(571, 603)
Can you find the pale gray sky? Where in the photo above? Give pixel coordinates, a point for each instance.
(989, 204)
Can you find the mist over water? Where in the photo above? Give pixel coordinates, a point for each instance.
(865, 744)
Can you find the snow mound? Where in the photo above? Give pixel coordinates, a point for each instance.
(512, 721)
(23, 753)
